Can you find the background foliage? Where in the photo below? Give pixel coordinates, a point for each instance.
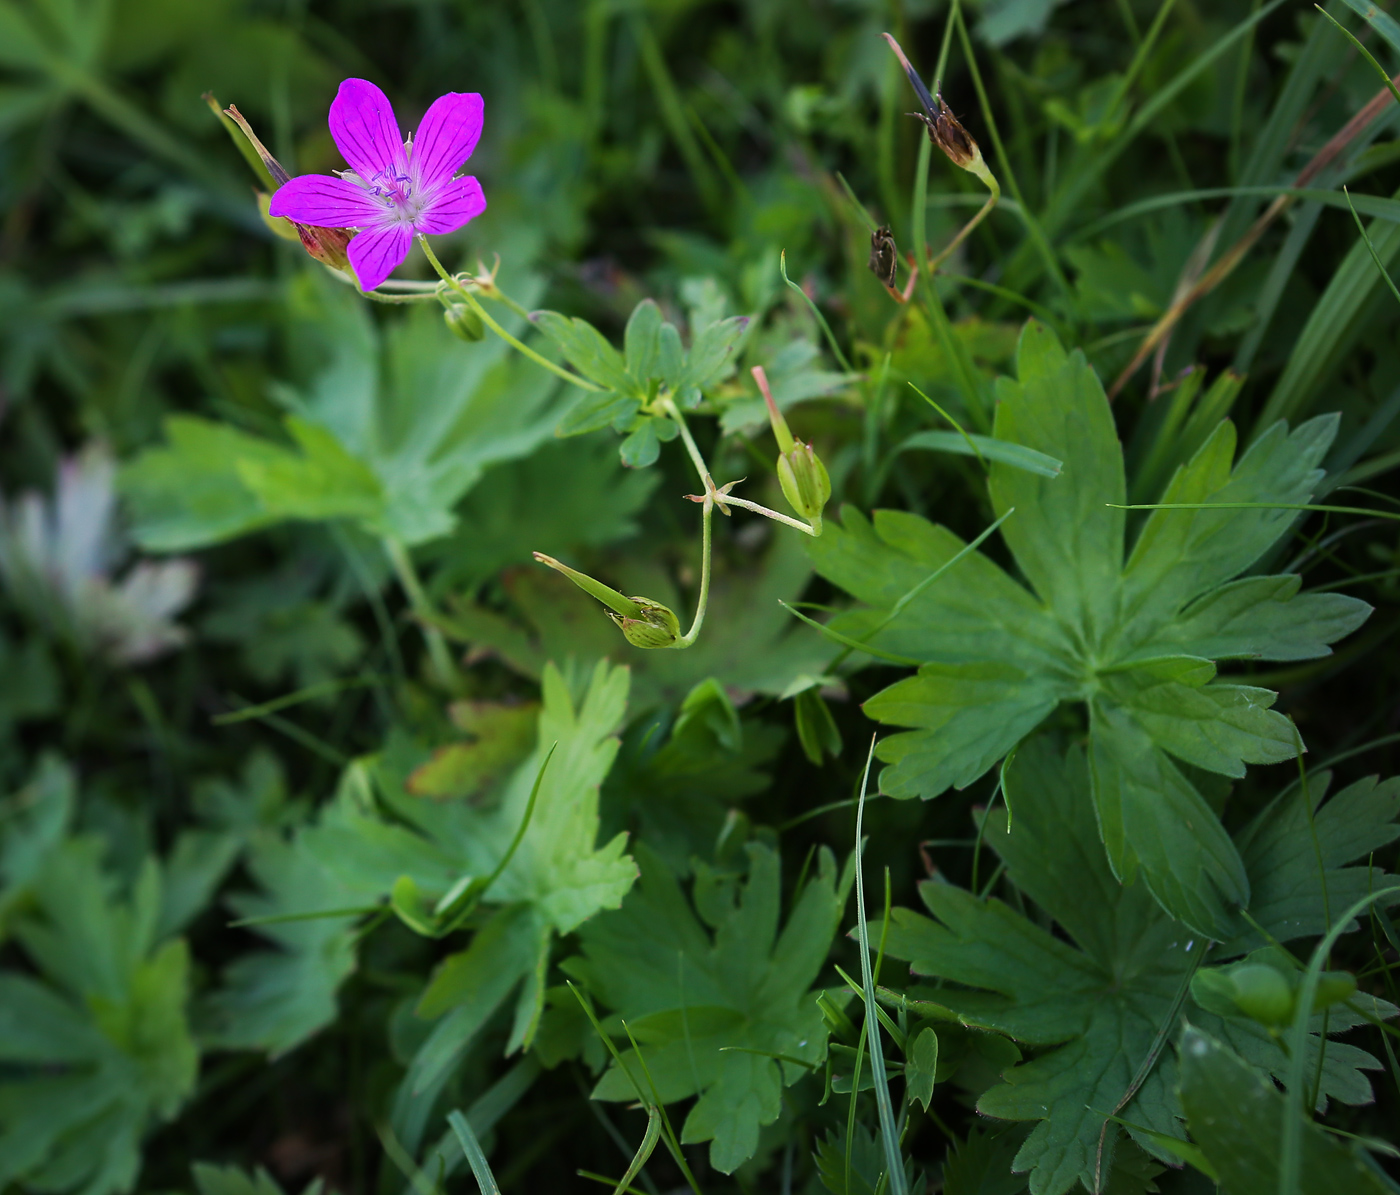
(224, 475)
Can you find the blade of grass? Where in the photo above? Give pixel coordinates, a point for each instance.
(1371, 248)
(894, 1161)
(1033, 228)
(481, 1168)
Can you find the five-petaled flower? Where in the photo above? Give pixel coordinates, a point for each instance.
(393, 189)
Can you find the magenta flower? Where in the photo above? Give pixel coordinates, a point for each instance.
(392, 189)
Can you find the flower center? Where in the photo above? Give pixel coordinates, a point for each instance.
(393, 188)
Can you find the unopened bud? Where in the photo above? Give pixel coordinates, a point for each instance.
(657, 627)
(1262, 994)
(643, 622)
(805, 483)
(801, 474)
(464, 323)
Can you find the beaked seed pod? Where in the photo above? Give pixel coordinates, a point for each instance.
(946, 133)
(884, 255)
(656, 627)
(464, 323)
(805, 483)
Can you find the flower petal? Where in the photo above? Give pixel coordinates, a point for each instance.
(453, 205)
(376, 252)
(325, 201)
(366, 132)
(446, 137)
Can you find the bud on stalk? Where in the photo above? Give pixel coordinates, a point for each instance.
(464, 323)
(643, 622)
(801, 474)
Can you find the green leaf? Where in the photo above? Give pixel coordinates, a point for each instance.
(981, 1165)
(1283, 845)
(921, 1066)
(232, 1180)
(1099, 997)
(389, 429)
(587, 350)
(99, 1052)
(560, 499)
(642, 343)
(710, 353)
(1234, 1116)
(190, 492)
(275, 999)
(1066, 538)
(992, 449)
(1135, 642)
(708, 1013)
(33, 823)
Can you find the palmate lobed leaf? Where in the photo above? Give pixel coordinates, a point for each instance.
(390, 430)
(709, 1014)
(1136, 641)
(375, 836)
(1102, 1000)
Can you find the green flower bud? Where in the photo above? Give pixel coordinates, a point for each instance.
(643, 622)
(801, 473)
(1262, 993)
(464, 323)
(1333, 987)
(805, 483)
(657, 626)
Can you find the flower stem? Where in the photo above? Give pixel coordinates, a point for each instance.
(992, 185)
(706, 517)
(486, 319)
(730, 500)
(669, 407)
(418, 600)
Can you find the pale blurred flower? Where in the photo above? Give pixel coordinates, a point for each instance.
(58, 556)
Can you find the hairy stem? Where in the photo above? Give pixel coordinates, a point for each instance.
(485, 317)
(706, 517)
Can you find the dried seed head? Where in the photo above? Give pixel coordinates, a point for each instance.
(949, 135)
(884, 255)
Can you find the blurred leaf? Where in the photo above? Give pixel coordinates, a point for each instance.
(687, 998)
(101, 1053)
(230, 1180)
(33, 823)
(1234, 1115)
(561, 498)
(501, 738)
(390, 431)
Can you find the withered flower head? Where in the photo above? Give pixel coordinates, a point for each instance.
(946, 133)
(884, 256)
(943, 127)
(326, 245)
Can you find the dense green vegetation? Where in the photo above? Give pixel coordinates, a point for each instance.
(345, 843)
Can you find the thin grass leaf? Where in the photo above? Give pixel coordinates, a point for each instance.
(472, 1148)
(894, 1161)
(1370, 248)
(816, 311)
(985, 448)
